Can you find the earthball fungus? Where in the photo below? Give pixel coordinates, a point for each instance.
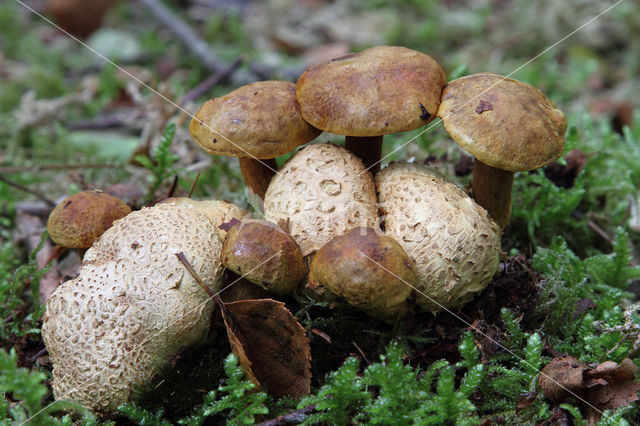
(368, 269)
(133, 307)
(452, 240)
(321, 192)
(80, 219)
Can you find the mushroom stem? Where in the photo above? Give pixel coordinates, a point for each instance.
(366, 148)
(492, 190)
(257, 173)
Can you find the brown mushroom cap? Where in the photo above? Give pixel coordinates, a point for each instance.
(260, 120)
(368, 269)
(321, 192)
(82, 218)
(502, 122)
(265, 255)
(381, 90)
(451, 239)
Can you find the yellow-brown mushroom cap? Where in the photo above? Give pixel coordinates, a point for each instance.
(504, 123)
(368, 269)
(82, 218)
(381, 90)
(260, 120)
(265, 255)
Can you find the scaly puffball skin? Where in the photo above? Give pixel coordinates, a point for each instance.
(451, 239)
(133, 307)
(322, 191)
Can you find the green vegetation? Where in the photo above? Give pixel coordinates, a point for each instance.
(577, 223)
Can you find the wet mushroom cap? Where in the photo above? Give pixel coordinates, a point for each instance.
(82, 218)
(263, 253)
(502, 122)
(321, 192)
(260, 120)
(378, 91)
(368, 269)
(451, 239)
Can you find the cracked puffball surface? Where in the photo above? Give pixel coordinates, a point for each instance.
(133, 307)
(265, 254)
(321, 192)
(368, 269)
(451, 239)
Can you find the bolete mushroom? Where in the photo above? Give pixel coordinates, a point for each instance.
(369, 270)
(320, 193)
(256, 122)
(264, 254)
(451, 239)
(133, 307)
(366, 95)
(508, 126)
(217, 211)
(80, 219)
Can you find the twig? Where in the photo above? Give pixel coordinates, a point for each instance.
(193, 185)
(27, 190)
(194, 43)
(36, 168)
(291, 418)
(210, 82)
(105, 122)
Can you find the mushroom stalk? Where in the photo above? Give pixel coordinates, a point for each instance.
(257, 173)
(366, 148)
(492, 190)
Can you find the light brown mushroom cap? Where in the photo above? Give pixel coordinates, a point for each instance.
(381, 90)
(133, 307)
(368, 269)
(259, 120)
(502, 122)
(81, 218)
(321, 192)
(217, 211)
(264, 254)
(452, 240)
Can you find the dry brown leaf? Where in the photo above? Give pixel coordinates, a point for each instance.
(228, 225)
(271, 345)
(607, 386)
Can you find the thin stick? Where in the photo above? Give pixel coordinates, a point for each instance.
(210, 82)
(27, 190)
(19, 169)
(182, 258)
(193, 185)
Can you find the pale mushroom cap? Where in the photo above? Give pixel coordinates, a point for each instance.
(451, 239)
(381, 90)
(263, 253)
(133, 307)
(368, 269)
(217, 211)
(502, 122)
(260, 120)
(321, 192)
(81, 218)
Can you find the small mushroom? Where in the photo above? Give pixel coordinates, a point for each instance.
(369, 270)
(452, 240)
(82, 218)
(365, 95)
(508, 126)
(256, 122)
(133, 307)
(321, 192)
(265, 255)
(217, 211)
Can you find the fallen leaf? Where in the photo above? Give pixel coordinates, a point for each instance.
(228, 225)
(561, 377)
(271, 345)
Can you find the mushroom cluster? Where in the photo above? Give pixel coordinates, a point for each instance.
(383, 241)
